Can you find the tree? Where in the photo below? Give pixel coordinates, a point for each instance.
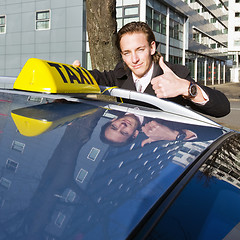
(102, 32)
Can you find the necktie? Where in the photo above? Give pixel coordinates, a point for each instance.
(138, 86)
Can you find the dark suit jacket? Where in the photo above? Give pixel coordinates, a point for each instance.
(217, 106)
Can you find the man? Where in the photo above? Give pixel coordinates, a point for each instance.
(143, 69)
(123, 129)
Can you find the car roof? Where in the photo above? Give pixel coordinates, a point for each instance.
(61, 179)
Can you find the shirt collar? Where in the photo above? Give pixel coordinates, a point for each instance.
(145, 80)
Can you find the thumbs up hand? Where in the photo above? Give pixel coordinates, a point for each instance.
(156, 131)
(169, 84)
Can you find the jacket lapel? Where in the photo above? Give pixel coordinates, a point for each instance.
(128, 83)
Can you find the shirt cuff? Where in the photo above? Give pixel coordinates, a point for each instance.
(205, 96)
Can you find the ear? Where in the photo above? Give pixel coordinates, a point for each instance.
(153, 47)
(135, 134)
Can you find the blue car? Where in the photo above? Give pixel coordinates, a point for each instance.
(114, 165)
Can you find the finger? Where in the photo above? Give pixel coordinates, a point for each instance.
(153, 123)
(148, 140)
(145, 127)
(76, 63)
(155, 80)
(164, 67)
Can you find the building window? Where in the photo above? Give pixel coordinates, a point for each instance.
(43, 20)
(237, 29)
(60, 219)
(81, 175)
(18, 146)
(213, 20)
(237, 14)
(128, 2)
(156, 20)
(2, 200)
(129, 11)
(126, 14)
(11, 165)
(213, 45)
(2, 24)
(175, 30)
(34, 99)
(93, 154)
(237, 43)
(5, 183)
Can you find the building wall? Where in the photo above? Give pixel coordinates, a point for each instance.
(63, 42)
(234, 26)
(197, 42)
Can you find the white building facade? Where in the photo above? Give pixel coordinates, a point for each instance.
(234, 37)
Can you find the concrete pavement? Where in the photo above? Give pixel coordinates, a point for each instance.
(232, 91)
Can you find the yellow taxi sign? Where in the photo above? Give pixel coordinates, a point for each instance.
(50, 77)
(37, 125)
(30, 127)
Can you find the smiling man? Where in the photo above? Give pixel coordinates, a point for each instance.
(144, 70)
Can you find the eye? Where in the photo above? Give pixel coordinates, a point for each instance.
(124, 133)
(141, 49)
(125, 53)
(114, 127)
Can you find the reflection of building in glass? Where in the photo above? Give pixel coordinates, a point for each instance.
(189, 152)
(72, 191)
(21, 163)
(224, 163)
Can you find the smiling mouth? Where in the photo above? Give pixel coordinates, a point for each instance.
(137, 66)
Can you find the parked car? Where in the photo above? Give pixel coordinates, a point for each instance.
(94, 166)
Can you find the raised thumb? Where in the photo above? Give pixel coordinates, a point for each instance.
(163, 66)
(148, 140)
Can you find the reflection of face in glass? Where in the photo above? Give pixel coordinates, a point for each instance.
(121, 129)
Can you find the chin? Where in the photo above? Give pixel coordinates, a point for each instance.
(138, 74)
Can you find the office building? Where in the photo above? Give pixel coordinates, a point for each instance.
(51, 30)
(190, 32)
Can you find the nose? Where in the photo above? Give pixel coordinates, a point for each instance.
(120, 126)
(135, 57)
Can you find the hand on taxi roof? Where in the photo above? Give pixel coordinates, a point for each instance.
(76, 63)
(169, 85)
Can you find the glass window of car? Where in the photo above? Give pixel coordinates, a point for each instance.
(209, 206)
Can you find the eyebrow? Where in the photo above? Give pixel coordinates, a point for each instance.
(128, 50)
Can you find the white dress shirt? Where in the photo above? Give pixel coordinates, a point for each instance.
(142, 83)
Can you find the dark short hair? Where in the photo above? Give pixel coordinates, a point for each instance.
(138, 27)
